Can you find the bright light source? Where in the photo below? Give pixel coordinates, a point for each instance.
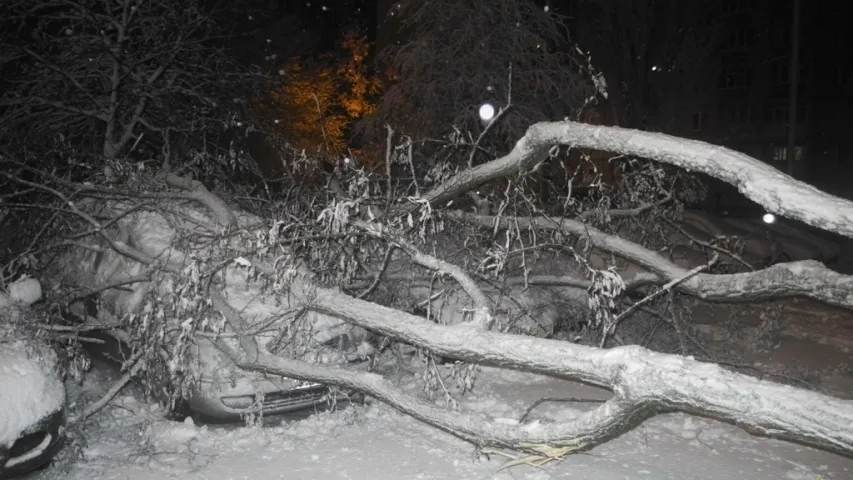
(487, 112)
(769, 218)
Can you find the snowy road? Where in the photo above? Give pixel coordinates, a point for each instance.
(376, 443)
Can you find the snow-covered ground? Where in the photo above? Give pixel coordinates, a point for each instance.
(130, 440)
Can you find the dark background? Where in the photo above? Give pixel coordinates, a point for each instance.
(744, 101)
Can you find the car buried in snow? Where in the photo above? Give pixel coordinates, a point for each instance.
(222, 393)
(32, 394)
(189, 371)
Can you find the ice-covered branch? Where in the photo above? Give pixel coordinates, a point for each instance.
(758, 181)
(807, 278)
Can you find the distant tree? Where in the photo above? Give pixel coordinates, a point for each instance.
(306, 104)
(316, 104)
(101, 77)
(455, 55)
(362, 87)
(655, 55)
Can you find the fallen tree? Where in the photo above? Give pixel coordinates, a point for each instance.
(202, 252)
(644, 383)
(200, 289)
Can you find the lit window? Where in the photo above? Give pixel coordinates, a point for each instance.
(780, 154)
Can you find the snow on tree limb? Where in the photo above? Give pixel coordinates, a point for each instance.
(758, 181)
(482, 316)
(201, 194)
(644, 383)
(807, 278)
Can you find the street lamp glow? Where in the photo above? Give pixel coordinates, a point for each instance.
(487, 112)
(769, 218)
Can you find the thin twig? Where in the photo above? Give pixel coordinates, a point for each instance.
(667, 287)
(501, 112)
(624, 212)
(412, 167)
(709, 245)
(390, 193)
(111, 393)
(379, 274)
(78, 328)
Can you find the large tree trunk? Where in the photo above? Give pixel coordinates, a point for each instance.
(758, 181)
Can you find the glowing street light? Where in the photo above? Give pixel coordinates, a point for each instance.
(769, 218)
(487, 112)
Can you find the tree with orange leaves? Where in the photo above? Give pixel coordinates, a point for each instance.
(318, 102)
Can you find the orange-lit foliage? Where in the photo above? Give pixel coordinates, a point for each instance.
(317, 103)
(362, 89)
(305, 104)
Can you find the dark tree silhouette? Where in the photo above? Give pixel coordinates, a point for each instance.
(453, 56)
(655, 55)
(103, 76)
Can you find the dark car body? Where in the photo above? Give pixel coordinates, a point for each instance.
(183, 335)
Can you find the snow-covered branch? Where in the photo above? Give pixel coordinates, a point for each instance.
(806, 278)
(198, 192)
(643, 382)
(482, 316)
(758, 181)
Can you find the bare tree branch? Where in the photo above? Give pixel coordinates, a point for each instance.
(806, 278)
(482, 316)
